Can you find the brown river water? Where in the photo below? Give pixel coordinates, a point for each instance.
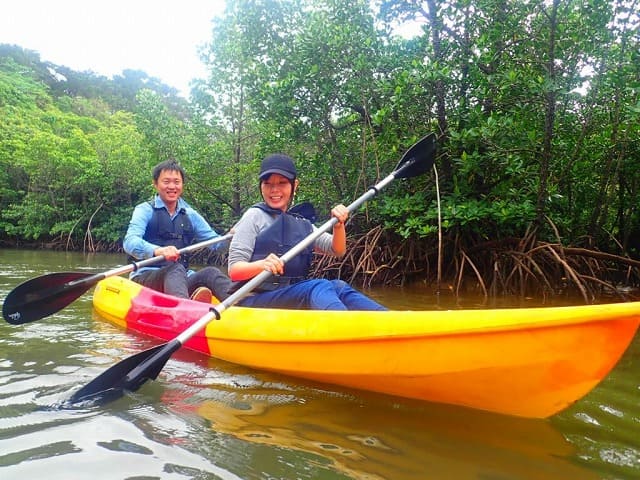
(207, 419)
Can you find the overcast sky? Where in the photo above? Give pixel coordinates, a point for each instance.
(159, 37)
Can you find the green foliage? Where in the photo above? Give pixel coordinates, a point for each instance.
(417, 215)
(71, 165)
(536, 105)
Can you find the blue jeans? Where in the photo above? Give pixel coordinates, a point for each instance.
(316, 294)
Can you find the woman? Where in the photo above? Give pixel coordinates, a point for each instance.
(268, 229)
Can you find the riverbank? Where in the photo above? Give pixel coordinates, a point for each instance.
(513, 267)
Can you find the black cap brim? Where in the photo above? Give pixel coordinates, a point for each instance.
(264, 175)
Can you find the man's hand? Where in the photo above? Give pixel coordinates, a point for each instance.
(169, 252)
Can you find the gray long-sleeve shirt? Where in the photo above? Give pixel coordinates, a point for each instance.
(251, 224)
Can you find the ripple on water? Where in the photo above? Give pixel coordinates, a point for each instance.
(111, 442)
(95, 444)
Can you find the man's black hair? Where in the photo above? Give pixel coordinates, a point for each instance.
(171, 165)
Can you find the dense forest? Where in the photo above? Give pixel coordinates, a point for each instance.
(535, 104)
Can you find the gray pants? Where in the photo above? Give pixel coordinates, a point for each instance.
(173, 280)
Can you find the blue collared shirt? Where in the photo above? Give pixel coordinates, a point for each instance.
(136, 246)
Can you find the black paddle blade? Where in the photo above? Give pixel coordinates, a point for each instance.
(126, 376)
(418, 159)
(45, 295)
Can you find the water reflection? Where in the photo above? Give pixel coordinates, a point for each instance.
(366, 436)
(423, 297)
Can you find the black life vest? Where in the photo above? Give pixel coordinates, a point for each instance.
(163, 231)
(284, 233)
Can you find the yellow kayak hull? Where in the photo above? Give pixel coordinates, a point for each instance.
(529, 362)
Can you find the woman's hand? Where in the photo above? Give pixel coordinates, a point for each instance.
(273, 264)
(339, 242)
(245, 270)
(341, 213)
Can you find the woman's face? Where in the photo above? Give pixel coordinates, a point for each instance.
(277, 191)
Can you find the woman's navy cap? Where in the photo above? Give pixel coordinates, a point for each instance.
(280, 164)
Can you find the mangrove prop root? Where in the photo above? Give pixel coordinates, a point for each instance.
(513, 266)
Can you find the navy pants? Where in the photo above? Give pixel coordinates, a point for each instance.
(175, 280)
(316, 294)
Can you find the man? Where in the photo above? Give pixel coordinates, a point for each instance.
(163, 226)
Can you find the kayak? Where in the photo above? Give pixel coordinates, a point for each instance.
(527, 362)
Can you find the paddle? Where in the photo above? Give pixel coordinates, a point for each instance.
(130, 373)
(42, 296)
